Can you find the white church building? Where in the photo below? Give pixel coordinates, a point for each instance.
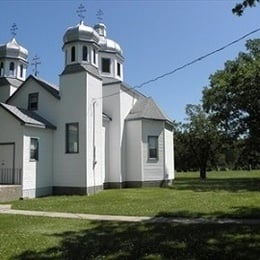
(91, 132)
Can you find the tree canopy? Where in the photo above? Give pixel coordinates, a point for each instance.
(233, 97)
(197, 140)
(240, 7)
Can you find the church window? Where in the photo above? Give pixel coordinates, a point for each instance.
(106, 65)
(94, 56)
(21, 70)
(153, 147)
(84, 53)
(73, 53)
(11, 69)
(118, 69)
(72, 138)
(34, 149)
(2, 69)
(33, 100)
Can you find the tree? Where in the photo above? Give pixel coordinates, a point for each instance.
(202, 137)
(233, 97)
(240, 7)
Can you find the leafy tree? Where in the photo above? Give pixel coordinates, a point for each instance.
(202, 138)
(240, 7)
(183, 157)
(233, 97)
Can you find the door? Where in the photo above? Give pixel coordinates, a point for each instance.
(6, 163)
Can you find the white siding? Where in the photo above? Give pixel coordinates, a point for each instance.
(70, 169)
(134, 155)
(38, 175)
(47, 106)
(169, 154)
(94, 130)
(117, 107)
(11, 131)
(111, 107)
(153, 169)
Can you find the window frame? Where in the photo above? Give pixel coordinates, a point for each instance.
(73, 54)
(106, 65)
(84, 53)
(34, 152)
(2, 70)
(94, 56)
(11, 69)
(68, 149)
(153, 148)
(30, 97)
(118, 69)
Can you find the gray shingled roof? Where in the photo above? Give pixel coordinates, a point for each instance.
(146, 108)
(75, 68)
(26, 117)
(52, 89)
(12, 81)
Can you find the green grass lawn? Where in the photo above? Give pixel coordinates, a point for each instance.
(233, 194)
(25, 237)
(222, 194)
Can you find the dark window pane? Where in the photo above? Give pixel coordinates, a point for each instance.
(33, 100)
(84, 53)
(153, 147)
(34, 149)
(73, 54)
(105, 65)
(72, 136)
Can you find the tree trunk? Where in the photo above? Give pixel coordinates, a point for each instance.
(203, 173)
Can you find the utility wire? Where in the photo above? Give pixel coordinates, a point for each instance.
(186, 64)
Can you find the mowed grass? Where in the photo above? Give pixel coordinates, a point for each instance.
(25, 237)
(222, 194)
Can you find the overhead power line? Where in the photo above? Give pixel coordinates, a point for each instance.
(187, 64)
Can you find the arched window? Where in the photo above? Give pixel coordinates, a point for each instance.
(73, 53)
(84, 53)
(94, 56)
(21, 71)
(2, 69)
(11, 69)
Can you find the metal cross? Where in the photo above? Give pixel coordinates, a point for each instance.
(81, 10)
(35, 63)
(99, 15)
(13, 29)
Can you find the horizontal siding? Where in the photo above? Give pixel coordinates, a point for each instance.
(153, 169)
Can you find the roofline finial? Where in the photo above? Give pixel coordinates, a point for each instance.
(100, 15)
(13, 30)
(81, 10)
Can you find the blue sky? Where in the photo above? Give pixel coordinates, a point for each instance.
(156, 37)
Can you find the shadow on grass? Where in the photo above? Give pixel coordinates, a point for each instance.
(237, 213)
(227, 184)
(113, 240)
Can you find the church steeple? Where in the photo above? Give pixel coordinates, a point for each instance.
(13, 65)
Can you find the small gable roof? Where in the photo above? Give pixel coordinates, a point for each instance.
(146, 108)
(28, 118)
(11, 81)
(52, 89)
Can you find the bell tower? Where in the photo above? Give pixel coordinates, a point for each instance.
(13, 65)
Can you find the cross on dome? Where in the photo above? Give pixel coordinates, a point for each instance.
(81, 10)
(35, 63)
(99, 15)
(13, 29)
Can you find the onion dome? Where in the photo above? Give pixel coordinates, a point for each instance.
(13, 50)
(80, 32)
(106, 44)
